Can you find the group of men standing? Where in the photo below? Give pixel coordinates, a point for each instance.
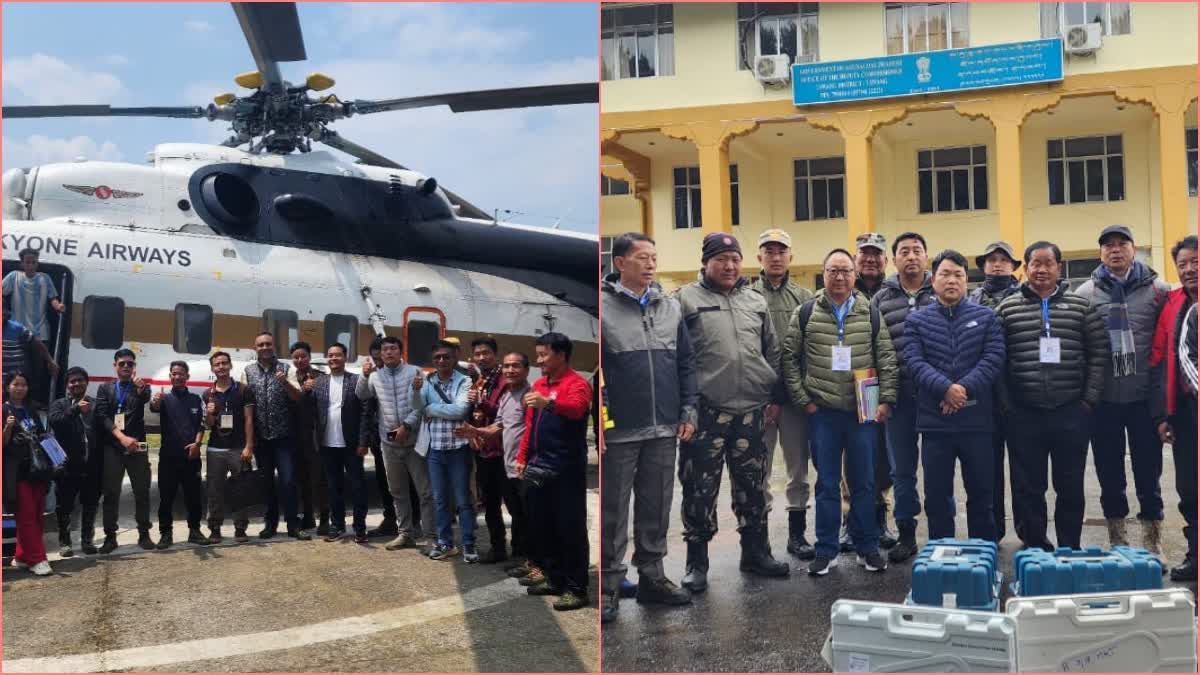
(875, 377)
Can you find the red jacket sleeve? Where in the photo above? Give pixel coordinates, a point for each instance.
(523, 452)
(574, 400)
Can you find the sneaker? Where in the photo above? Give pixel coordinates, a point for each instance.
(360, 537)
(299, 534)
(197, 537)
(470, 555)
(536, 576)
(145, 542)
(872, 561)
(544, 588)
(401, 541)
(214, 535)
(240, 536)
(386, 529)
(66, 551)
(268, 531)
(165, 540)
(109, 545)
(443, 552)
(42, 569)
(570, 601)
(821, 566)
(334, 535)
(518, 571)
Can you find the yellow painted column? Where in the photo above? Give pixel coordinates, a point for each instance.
(712, 146)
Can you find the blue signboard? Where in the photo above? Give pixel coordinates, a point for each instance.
(1002, 65)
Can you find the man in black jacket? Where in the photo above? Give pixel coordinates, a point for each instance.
(343, 433)
(72, 419)
(1053, 376)
(120, 412)
(181, 417)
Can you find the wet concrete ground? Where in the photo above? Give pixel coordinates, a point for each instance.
(745, 623)
(286, 605)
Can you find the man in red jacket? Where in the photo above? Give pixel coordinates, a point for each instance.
(1171, 406)
(553, 463)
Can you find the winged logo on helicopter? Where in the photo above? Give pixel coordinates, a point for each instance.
(205, 245)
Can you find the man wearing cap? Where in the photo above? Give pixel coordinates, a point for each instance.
(737, 371)
(791, 430)
(1128, 296)
(903, 293)
(998, 265)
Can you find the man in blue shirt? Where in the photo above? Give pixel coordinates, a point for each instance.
(182, 420)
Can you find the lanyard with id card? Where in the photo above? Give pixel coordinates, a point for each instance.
(1049, 348)
(226, 415)
(839, 353)
(119, 419)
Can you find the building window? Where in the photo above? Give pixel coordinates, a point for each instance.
(193, 329)
(952, 179)
(734, 201)
(1190, 135)
(284, 325)
(925, 26)
(820, 188)
(765, 28)
(637, 41)
(344, 329)
(1113, 17)
(103, 322)
(613, 186)
(1089, 169)
(687, 197)
(606, 263)
(419, 338)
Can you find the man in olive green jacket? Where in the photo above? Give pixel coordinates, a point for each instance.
(830, 338)
(791, 429)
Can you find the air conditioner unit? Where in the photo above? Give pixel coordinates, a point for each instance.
(773, 69)
(1082, 39)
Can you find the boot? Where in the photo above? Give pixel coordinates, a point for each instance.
(756, 556)
(887, 536)
(109, 545)
(1116, 532)
(165, 539)
(64, 541)
(1152, 536)
(87, 531)
(696, 579)
(144, 540)
(797, 544)
(195, 536)
(906, 547)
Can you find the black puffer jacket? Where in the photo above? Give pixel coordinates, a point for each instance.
(894, 304)
(1028, 383)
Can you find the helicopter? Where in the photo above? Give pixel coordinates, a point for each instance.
(204, 246)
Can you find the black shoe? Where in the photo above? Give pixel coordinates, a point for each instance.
(195, 536)
(165, 539)
(301, 534)
(872, 561)
(334, 534)
(360, 536)
(268, 531)
(1186, 571)
(696, 578)
(628, 589)
(610, 604)
(544, 588)
(144, 541)
(240, 536)
(887, 536)
(797, 544)
(109, 545)
(906, 547)
(493, 556)
(214, 535)
(64, 543)
(386, 529)
(88, 546)
(757, 558)
(307, 523)
(821, 566)
(661, 592)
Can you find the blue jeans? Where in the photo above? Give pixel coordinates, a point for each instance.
(449, 474)
(974, 450)
(342, 463)
(904, 454)
(1109, 426)
(278, 454)
(829, 431)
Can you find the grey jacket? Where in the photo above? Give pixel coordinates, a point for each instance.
(738, 358)
(1145, 296)
(649, 367)
(393, 389)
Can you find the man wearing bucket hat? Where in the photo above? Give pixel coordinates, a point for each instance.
(791, 430)
(737, 371)
(998, 264)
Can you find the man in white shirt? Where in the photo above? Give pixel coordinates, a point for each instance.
(342, 431)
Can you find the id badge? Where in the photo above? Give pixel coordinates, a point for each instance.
(226, 421)
(841, 358)
(1050, 350)
(119, 421)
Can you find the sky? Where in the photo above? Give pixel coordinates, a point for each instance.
(539, 164)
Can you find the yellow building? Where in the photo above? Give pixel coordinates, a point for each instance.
(692, 141)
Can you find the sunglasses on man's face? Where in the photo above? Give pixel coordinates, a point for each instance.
(125, 364)
(442, 357)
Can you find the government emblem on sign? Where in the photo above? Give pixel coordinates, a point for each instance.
(102, 192)
(923, 74)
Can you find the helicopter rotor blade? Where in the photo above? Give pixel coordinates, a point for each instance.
(367, 156)
(272, 31)
(491, 99)
(37, 111)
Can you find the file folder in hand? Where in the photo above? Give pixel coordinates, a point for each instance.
(866, 393)
(54, 451)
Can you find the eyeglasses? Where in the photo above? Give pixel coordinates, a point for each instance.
(841, 272)
(442, 357)
(125, 364)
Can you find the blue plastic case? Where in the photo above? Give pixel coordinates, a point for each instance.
(956, 573)
(1092, 570)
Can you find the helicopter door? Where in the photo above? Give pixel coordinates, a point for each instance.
(423, 326)
(43, 389)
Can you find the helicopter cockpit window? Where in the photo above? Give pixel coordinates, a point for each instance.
(103, 322)
(419, 340)
(344, 329)
(193, 329)
(285, 326)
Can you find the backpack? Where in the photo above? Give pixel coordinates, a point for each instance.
(806, 311)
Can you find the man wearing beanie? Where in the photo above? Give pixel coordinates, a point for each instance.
(737, 370)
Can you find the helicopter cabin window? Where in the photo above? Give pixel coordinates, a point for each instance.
(285, 326)
(103, 322)
(193, 329)
(419, 339)
(344, 329)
